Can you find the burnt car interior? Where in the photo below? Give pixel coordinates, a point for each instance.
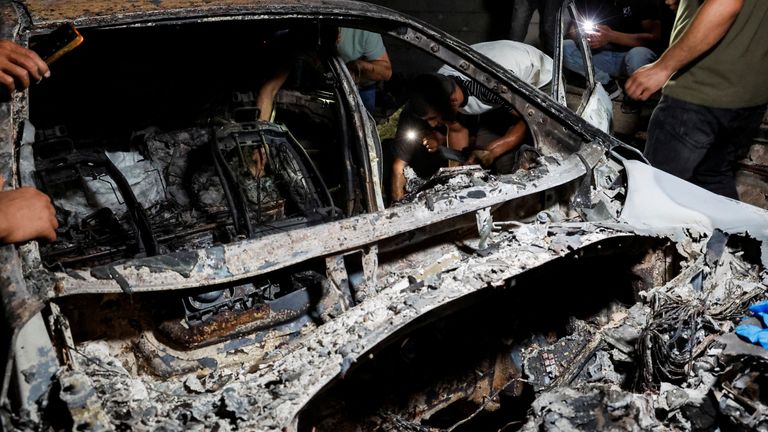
(145, 140)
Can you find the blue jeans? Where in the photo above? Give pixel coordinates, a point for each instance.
(701, 144)
(368, 95)
(608, 64)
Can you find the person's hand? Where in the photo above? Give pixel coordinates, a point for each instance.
(433, 141)
(430, 143)
(600, 38)
(259, 158)
(358, 68)
(672, 4)
(26, 214)
(480, 157)
(19, 66)
(647, 80)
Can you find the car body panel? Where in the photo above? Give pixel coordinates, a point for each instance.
(254, 257)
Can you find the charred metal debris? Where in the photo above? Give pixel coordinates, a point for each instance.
(627, 333)
(187, 292)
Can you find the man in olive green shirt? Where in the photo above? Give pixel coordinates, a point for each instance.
(715, 91)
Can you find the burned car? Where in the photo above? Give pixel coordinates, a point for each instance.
(186, 291)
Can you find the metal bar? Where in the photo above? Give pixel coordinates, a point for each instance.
(233, 262)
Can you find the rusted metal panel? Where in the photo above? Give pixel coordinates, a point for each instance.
(93, 12)
(251, 258)
(229, 324)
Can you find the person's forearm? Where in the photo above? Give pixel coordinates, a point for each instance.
(373, 70)
(573, 33)
(398, 179)
(266, 98)
(511, 139)
(711, 23)
(632, 39)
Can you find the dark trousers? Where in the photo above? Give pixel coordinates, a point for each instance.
(521, 17)
(701, 144)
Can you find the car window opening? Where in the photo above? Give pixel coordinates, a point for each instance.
(148, 140)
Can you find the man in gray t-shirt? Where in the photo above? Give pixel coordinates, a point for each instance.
(366, 59)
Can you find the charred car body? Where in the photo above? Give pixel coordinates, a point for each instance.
(186, 292)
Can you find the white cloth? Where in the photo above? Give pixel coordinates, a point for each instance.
(524, 61)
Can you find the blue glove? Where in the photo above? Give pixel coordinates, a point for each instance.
(760, 310)
(753, 334)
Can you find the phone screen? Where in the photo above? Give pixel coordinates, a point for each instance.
(52, 46)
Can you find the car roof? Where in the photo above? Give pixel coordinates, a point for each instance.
(47, 13)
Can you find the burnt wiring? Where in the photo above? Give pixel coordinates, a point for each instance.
(665, 358)
(680, 330)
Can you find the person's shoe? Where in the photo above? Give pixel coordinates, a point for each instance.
(613, 89)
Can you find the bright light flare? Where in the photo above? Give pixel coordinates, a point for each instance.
(589, 26)
(411, 135)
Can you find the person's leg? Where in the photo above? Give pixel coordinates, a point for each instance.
(603, 61)
(716, 171)
(499, 19)
(368, 95)
(609, 63)
(679, 136)
(522, 11)
(548, 10)
(636, 58)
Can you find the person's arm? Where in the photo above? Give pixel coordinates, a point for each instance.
(18, 65)
(379, 69)
(650, 35)
(573, 33)
(398, 179)
(26, 214)
(712, 21)
(265, 100)
(511, 139)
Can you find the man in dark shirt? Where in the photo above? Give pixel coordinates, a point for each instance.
(622, 35)
(491, 138)
(449, 109)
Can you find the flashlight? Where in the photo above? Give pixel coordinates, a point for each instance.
(411, 135)
(589, 27)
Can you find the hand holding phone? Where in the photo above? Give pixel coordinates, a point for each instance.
(19, 66)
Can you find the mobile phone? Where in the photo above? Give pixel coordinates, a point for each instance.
(52, 46)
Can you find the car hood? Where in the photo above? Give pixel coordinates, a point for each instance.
(89, 12)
